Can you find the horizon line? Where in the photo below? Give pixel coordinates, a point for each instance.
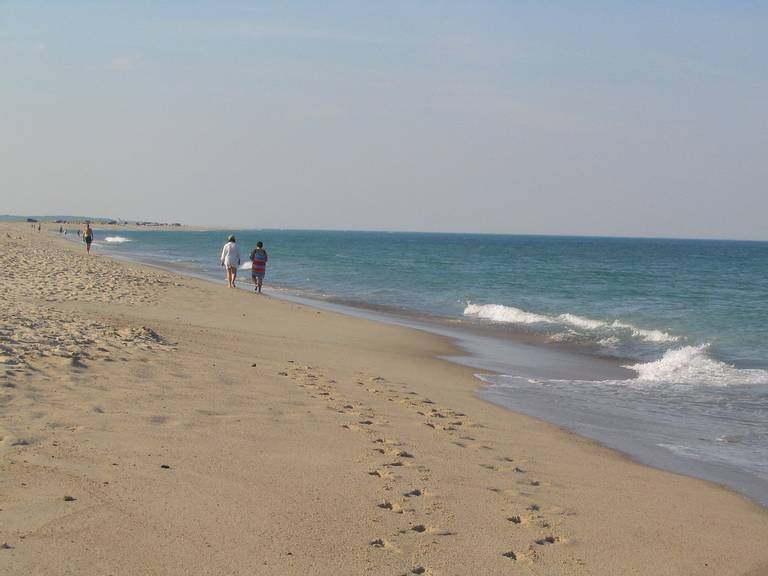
(211, 227)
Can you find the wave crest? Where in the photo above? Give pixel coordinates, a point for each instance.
(508, 314)
(511, 315)
(647, 335)
(581, 322)
(693, 365)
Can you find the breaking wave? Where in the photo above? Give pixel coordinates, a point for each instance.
(647, 335)
(607, 330)
(694, 365)
(508, 314)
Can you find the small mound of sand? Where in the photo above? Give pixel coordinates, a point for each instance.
(39, 274)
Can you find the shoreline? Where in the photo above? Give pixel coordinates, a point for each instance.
(399, 316)
(349, 443)
(514, 351)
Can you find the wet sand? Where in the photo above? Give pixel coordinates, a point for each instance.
(157, 424)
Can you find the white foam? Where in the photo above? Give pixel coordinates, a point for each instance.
(507, 314)
(609, 342)
(647, 335)
(685, 368)
(693, 365)
(512, 315)
(581, 322)
(116, 239)
(567, 336)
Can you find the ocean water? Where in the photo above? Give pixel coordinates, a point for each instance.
(685, 320)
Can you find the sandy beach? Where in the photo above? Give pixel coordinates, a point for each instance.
(156, 424)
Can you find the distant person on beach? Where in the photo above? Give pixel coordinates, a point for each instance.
(230, 259)
(259, 259)
(88, 237)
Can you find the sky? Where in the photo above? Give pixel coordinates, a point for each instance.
(600, 118)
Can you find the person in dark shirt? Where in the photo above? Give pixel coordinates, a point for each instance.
(259, 259)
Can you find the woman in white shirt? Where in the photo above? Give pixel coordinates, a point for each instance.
(230, 259)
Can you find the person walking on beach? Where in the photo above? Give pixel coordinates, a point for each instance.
(88, 237)
(230, 259)
(259, 259)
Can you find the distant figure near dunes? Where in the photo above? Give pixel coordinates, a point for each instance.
(88, 237)
(259, 258)
(230, 259)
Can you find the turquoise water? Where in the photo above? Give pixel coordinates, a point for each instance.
(688, 318)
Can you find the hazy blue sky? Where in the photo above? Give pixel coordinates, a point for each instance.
(618, 118)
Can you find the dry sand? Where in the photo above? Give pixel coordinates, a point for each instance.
(155, 424)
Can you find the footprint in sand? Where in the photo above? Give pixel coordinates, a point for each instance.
(423, 529)
(383, 544)
(394, 452)
(442, 427)
(381, 473)
(357, 428)
(387, 441)
(391, 506)
(472, 445)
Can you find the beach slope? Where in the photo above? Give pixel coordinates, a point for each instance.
(156, 424)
